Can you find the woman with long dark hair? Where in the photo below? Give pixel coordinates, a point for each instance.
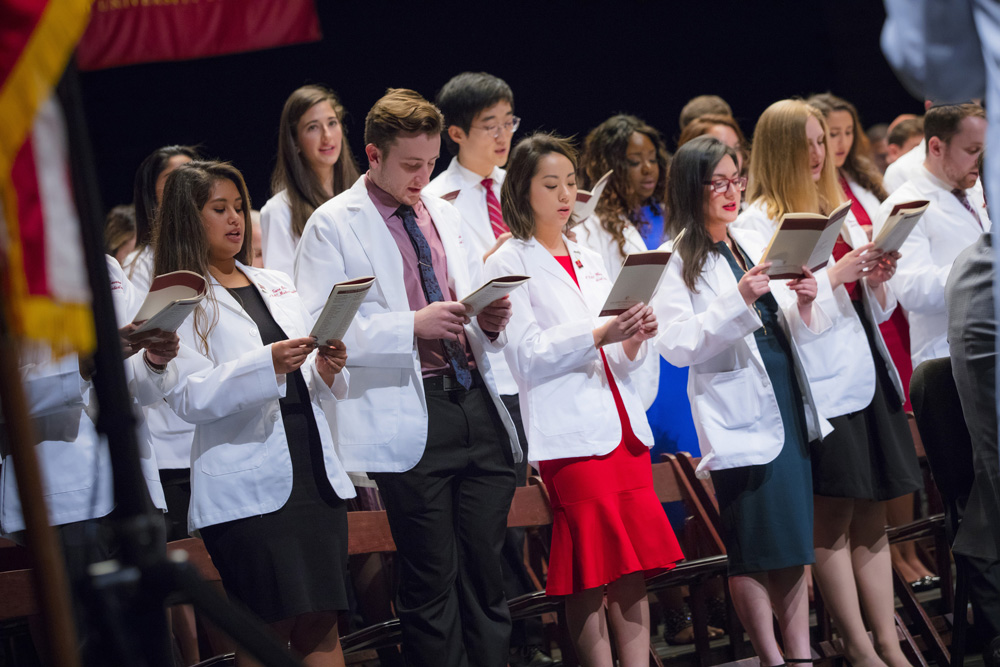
(314, 164)
(751, 404)
(267, 484)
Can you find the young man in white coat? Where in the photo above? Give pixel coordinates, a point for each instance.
(955, 135)
(423, 414)
(478, 110)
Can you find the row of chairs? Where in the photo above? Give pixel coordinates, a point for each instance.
(674, 481)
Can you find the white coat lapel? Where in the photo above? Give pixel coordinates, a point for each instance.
(269, 293)
(471, 203)
(710, 276)
(380, 248)
(590, 277)
(227, 300)
(544, 259)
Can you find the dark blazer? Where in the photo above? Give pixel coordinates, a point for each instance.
(972, 326)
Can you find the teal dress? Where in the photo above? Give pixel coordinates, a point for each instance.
(767, 510)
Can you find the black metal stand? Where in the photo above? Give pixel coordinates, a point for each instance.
(127, 596)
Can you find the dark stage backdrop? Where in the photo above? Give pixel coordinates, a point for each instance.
(570, 64)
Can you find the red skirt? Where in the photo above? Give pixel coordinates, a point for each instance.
(607, 521)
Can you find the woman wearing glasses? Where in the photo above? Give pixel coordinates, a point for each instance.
(863, 462)
(751, 404)
(314, 164)
(609, 530)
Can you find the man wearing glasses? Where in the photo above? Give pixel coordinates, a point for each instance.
(479, 124)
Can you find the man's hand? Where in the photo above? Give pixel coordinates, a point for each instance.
(441, 320)
(494, 318)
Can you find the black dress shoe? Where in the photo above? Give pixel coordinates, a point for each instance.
(925, 583)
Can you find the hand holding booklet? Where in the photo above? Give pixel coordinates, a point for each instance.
(171, 298)
(803, 239)
(341, 307)
(899, 224)
(637, 281)
(491, 291)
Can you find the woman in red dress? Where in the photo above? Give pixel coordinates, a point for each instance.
(586, 426)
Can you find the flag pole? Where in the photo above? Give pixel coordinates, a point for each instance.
(49, 571)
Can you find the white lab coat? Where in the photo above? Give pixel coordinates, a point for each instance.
(240, 465)
(904, 168)
(171, 435)
(591, 234)
(466, 193)
(945, 229)
(711, 329)
(566, 397)
(276, 238)
(382, 424)
(840, 366)
(74, 460)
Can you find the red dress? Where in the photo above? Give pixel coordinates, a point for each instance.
(607, 521)
(896, 330)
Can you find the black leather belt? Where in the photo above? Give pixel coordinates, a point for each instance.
(449, 383)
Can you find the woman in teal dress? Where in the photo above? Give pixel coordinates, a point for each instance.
(752, 413)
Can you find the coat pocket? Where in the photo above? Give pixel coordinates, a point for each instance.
(727, 400)
(237, 443)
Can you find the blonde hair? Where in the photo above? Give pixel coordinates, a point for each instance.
(780, 177)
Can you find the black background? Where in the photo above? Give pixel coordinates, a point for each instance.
(570, 64)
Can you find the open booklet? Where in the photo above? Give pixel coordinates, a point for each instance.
(899, 224)
(491, 291)
(586, 200)
(341, 307)
(803, 239)
(637, 281)
(171, 298)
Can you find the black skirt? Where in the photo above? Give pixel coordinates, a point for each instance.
(870, 454)
(293, 560)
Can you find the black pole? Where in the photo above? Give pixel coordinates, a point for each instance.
(128, 596)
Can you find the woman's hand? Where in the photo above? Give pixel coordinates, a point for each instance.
(805, 289)
(330, 360)
(854, 265)
(162, 349)
(622, 327)
(289, 355)
(755, 283)
(883, 270)
(503, 238)
(647, 329)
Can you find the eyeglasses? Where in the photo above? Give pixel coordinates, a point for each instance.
(510, 127)
(721, 186)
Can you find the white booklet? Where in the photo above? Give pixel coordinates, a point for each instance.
(638, 280)
(803, 239)
(341, 307)
(491, 291)
(900, 223)
(586, 200)
(171, 298)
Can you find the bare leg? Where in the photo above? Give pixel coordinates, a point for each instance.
(904, 555)
(315, 638)
(873, 572)
(185, 631)
(282, 631)
(588, 627)
(834, 518)
(753, 605)
(628, 613)
(790, 601)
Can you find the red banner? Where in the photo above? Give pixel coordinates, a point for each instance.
(129, 32)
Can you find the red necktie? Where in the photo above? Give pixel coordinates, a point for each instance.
(960, 194)
(493, 206)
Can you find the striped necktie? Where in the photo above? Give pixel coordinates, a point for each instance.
(961, 196)
(493, 206)
(454, 352)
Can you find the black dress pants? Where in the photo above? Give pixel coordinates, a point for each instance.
(448, 516)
